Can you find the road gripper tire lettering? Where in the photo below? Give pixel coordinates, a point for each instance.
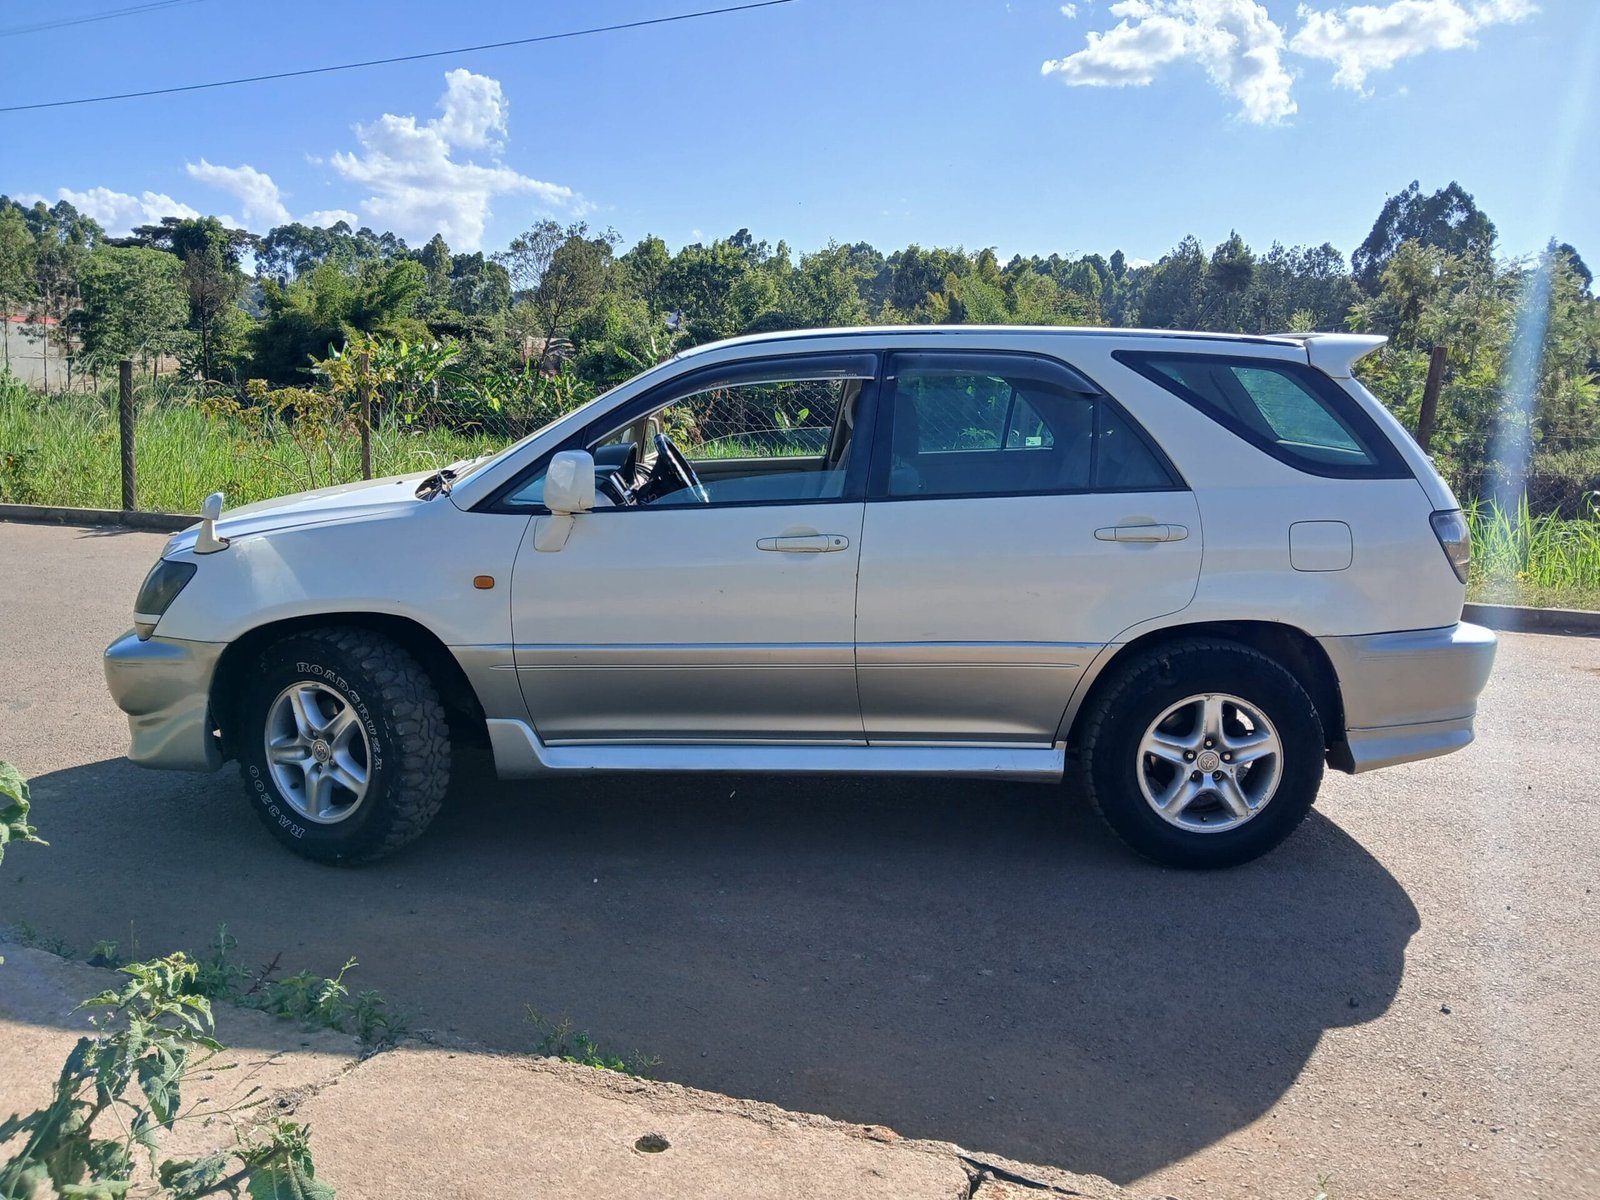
(343, 744)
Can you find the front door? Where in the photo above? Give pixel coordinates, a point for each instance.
(721, 612)
(1017, 521)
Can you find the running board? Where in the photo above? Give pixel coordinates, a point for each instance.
(519, 754)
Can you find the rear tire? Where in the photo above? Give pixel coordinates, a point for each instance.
(343, 744)
(1202, 754)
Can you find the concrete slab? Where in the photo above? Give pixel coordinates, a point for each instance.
(441, 1122)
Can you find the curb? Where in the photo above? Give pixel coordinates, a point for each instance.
(46, 514)
(1511, 618)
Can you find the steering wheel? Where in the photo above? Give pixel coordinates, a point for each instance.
(681, 467)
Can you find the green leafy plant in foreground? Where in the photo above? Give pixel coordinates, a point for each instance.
(14, 808)
(150, 1045)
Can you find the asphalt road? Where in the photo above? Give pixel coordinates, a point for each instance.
(1403, 997)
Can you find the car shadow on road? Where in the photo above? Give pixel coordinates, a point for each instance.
(963, 960)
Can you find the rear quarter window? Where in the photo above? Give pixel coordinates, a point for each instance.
(1290, 410)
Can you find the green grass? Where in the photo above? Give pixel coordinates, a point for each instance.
(65, 450)
(1539, 561)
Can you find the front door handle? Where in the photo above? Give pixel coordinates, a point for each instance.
(805, 543)
(1142, 533)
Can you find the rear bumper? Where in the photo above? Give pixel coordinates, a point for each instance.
(1408, 696)
(164, 685)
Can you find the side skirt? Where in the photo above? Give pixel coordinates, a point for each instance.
(520, 754)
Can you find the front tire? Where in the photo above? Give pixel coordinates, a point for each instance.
(1203, 754)
(343, 744)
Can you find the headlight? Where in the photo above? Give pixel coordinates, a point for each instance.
(1450, 527)
(156, 594)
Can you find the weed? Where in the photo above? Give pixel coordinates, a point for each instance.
(1517, 554)
(561, 1039)
(104, 954)
(376, 1024)
(1324, 1186)
(157, 1035)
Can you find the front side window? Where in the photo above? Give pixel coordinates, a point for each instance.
(759, 432)
(1006, 428)
(1294, 413)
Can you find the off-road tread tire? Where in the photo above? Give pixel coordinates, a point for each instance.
(1200, 664)
(411, 791)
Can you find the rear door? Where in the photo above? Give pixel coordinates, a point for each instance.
(1017, 521)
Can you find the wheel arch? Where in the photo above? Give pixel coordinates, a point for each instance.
(1294, 649)
(462, 706)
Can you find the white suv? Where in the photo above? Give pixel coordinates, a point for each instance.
(1181, 570)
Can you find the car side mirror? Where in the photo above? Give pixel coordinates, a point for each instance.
(568, 489)
(569, 483)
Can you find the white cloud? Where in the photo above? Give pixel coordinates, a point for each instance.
(474, 108)
(119, 212)
(262, 201)
(1365, 38)
(1069, 11)
(1235, 41)
(418, 186)
(323, 218)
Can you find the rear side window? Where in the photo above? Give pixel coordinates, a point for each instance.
(1293, 412)
(1006, 425)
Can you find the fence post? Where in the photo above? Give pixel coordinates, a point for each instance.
(366, 415)
(1430, 398)
(125, 423)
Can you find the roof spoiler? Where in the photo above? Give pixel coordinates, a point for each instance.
(1335, 354)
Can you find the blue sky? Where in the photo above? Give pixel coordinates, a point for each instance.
(1028, 126)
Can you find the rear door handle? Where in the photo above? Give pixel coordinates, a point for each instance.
(1142, 533)
(805, 543)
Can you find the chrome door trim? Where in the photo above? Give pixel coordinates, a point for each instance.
(519, 753)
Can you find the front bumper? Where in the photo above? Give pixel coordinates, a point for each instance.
(164, 685)
(1408, 695)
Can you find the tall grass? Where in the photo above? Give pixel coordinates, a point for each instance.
(1520, 557)
(66, 450)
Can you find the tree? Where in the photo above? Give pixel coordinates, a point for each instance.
(17, 254)
(1172, 293)
(62, 238)
(290, 251)
(824, 292)
(479, 287)
(642, 269)
(210, 257)
(1448, 220)
(438, 262)
(559, 272)
(134, 302)
(312, 316)
(1227, 279)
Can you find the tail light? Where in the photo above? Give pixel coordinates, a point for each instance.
(1450, 527)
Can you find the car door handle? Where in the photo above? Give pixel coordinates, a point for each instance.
(805, 543)
(1142, 533)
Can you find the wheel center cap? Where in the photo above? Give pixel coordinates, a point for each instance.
(1208, 761)
(322, 752)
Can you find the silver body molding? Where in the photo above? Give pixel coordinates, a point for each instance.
(1408, 696)
(520, 754)
(164, 685)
